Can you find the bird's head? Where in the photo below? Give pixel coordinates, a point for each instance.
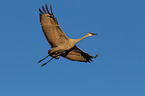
(91, 34)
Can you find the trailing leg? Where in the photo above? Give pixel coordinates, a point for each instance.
(43, 58)
(46, 62)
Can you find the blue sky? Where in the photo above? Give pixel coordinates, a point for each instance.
(118, 71)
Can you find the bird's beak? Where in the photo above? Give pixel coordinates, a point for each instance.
(94, 34)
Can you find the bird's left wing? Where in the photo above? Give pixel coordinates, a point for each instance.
(76, 54)
(51, 28)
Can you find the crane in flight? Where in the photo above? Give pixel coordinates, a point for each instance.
(60, 44)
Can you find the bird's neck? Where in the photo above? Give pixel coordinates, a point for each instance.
(75, 41)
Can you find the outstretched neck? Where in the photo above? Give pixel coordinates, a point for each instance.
(74, 41)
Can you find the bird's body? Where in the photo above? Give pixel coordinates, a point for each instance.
(61, 45)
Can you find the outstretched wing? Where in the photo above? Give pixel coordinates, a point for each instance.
(76, 54)
(51, 28)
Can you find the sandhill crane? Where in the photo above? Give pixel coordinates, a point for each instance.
(60, 44)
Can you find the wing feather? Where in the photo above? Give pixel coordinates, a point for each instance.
(51, 29)
(47, 8)
(76, 54)
(51, 9)
(44, 9)
(40, 11)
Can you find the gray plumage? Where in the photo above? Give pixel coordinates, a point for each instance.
(60, 44)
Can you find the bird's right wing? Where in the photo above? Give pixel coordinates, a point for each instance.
(51, 28)
(76, 54)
